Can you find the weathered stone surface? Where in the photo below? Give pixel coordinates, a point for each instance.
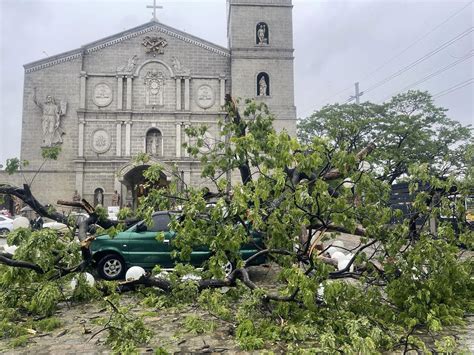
(151, 77)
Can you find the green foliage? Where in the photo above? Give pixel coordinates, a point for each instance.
(45, 301)
(83, 292)
(126, 332)
(406, 281)
(20, 341)
(48, 324)
(14, 164)
(125, 213)
(409, 129)
(197, 325)
(161, 351)
(51, 153)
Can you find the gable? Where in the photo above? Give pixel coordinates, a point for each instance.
(95, 46)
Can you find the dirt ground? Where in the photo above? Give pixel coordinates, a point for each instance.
(79, 324)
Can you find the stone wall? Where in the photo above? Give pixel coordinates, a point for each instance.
(274, 56)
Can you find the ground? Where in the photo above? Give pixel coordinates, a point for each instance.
(79, 324)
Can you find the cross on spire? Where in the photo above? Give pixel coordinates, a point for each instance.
(154, 7)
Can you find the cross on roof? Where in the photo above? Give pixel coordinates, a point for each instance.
(154, 7)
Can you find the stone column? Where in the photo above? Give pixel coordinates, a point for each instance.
(178, 94)
(186, 94)
(187, 177)
(118, 148)
(128, 138)
(119, 92)
(178, 140)
(80, 139)
(82, 103)
(186, 140)
(222, 91)
(80, 179)
(129, 92)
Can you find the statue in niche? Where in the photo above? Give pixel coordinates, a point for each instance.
(76, 197)
(262, 34)
(130, 66)
(98, 197)
(262, 85)
(153, 142)
(51, 120)
(154, 88)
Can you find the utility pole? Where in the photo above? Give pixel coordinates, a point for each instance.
(357, 95)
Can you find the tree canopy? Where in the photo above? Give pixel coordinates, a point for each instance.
(408, 129)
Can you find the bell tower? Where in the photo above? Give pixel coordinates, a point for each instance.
(260, 35)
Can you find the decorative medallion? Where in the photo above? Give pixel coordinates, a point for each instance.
(154, 44)
(100, 141)
(102, 95)
(205, 96)
(154, 88)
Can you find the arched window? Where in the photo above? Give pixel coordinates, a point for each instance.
(154, 142)
(98, 196)
(263, 84)
(262, 34)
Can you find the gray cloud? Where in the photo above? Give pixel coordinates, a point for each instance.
(336, 44)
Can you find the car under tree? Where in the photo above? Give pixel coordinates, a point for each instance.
(148, 246)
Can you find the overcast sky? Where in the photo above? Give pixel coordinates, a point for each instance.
(337, 42)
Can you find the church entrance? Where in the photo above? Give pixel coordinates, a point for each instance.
(138, 186)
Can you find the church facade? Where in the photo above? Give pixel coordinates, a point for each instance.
(137, 91)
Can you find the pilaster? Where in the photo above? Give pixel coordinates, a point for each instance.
(186, 93)
(119, 92)
(129, 91)
(82, 101)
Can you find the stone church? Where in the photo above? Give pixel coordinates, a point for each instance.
(136, 92)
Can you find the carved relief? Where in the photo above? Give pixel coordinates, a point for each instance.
(178, 68)
(130, 66)
(100, 141)
(205, 96)
(154, 44)
(154, 88)
(102, 95)
(51, 120)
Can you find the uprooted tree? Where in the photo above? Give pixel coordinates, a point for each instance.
(398, 280)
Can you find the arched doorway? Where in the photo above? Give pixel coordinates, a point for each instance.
(132, 177)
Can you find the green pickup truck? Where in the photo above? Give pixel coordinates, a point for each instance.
(138, 246)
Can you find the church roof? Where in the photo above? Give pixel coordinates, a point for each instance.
(122, 36)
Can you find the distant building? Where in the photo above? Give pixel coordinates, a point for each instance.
(137, 91)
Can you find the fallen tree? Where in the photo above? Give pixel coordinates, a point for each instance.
(300, 197)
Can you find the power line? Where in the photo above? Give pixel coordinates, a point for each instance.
(436, 73)
(403, 51)
(421, 59)
(454, 88)
(337, 93)
(417, 41)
